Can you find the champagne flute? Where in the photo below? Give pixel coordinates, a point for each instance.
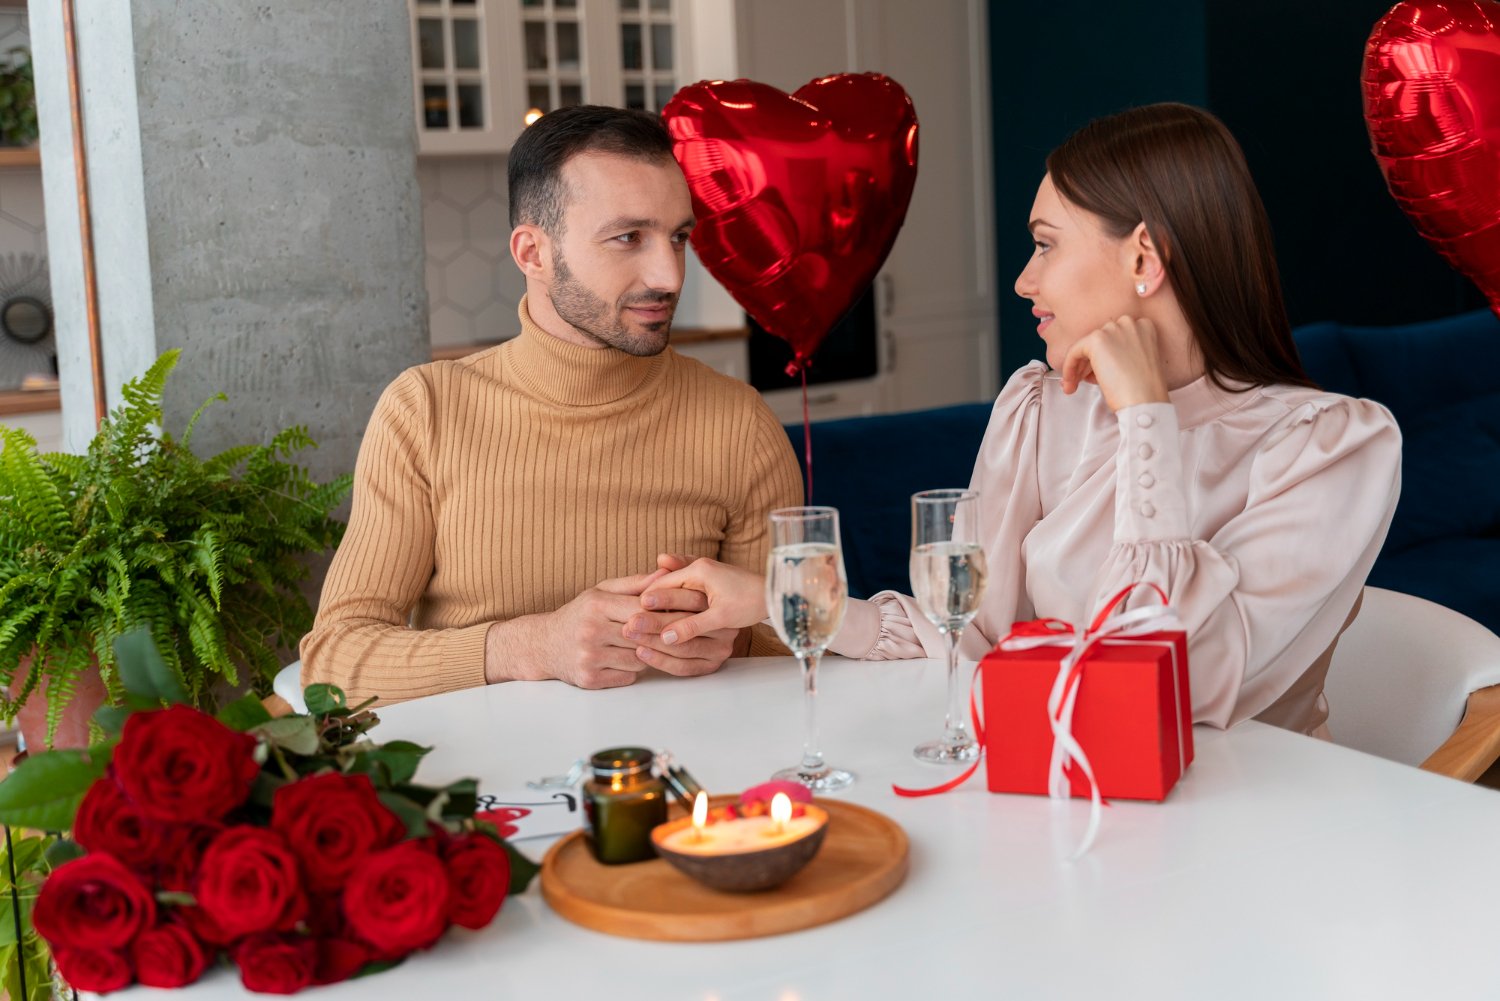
(947, 579)
(805, 593)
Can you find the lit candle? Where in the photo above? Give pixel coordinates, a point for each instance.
(700, 814)
(781, 812)
(740, 834)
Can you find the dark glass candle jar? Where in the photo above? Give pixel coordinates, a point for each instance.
(622, 802)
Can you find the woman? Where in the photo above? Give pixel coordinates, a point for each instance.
(1176, 440)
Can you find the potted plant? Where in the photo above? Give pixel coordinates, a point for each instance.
(17, 100)
(140, 531)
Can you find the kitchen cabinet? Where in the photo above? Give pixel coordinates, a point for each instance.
(482, 69)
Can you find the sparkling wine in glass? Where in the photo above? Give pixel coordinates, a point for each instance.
(947, 579)
(805, 593)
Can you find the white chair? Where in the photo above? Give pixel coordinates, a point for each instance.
(288, 685)
(1415, 682)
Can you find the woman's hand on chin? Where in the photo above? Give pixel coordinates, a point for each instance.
(1123, 358)
(722, 596)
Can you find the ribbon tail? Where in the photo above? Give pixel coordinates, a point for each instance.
(954, 783)
(945, 787)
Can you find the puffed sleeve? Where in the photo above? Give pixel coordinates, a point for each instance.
(1270, 590)
(890, 626)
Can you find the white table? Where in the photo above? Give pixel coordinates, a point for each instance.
(1281, 867)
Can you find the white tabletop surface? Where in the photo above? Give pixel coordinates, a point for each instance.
(1280, 867)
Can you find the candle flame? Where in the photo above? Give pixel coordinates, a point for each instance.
(781, 808)
(700, 810)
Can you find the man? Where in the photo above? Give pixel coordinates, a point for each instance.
(503, 501)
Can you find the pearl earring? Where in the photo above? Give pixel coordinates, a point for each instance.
(1140, 288)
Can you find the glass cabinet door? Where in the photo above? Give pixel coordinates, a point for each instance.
(648, 53)
(484, 69)
(455, 50)
(555, 38)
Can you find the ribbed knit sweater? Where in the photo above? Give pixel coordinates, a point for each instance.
(505, 483)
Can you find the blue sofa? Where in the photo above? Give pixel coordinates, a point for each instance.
(1441, 379)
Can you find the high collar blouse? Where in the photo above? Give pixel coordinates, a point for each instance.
(1258, 512)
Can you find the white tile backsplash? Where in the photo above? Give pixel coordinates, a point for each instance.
(473, 287)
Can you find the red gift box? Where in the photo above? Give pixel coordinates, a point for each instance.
(1132, 716)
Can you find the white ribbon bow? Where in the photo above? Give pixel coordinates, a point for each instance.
(1064, 696)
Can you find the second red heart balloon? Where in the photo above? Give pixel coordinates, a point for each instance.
(1432, 104)
(799, 197)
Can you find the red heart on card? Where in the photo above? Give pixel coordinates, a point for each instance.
(502, 818)
(1432, 104)
(799, 197)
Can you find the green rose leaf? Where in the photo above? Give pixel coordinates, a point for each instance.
(245, 713)
(263, 790)
(380, 966)
(62, 850)
(297, 734)
(410, 813)
(143, 671)
(44, 792)
(462, 799)
(324, 700)
(111, 719)
(391, 764)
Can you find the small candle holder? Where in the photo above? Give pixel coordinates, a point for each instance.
(622, 803)
(725, 857)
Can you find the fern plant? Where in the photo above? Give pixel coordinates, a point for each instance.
(204, 552)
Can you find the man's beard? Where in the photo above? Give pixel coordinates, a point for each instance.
(580, 308)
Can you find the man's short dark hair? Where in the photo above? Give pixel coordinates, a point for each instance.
(537, 194)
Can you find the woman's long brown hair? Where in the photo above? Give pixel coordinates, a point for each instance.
(1177, 169)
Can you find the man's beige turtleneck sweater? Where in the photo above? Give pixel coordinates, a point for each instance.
(506, 483)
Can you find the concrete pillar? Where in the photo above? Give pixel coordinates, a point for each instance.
(254, 202)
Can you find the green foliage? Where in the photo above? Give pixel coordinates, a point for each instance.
(31, 859)
(203, 554)
(18, 125)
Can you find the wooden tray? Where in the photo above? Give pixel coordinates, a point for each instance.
(862, 860)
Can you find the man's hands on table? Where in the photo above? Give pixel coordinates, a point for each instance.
(601, 639)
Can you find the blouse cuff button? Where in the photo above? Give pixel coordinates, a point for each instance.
(1148, 510)
(1146, 479)
(1145, 451)
(1144, 420)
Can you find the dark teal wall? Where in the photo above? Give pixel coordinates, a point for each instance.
(1284, 75)
(1052, 68)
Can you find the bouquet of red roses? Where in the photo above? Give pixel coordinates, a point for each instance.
(294, 847)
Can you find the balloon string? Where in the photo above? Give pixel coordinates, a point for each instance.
(806, 437)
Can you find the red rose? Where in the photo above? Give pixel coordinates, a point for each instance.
(108, 822)
(180, 764)
(92, 902)
(397, 900)
(277, 964)
(339, 959)
(248, 882)
(202, 925)
(99, 970)
(182, 848)
(478, 878)
(168, 956)
(331, 822)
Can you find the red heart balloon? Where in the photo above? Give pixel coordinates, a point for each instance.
(1432, 104)
(798, 197)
